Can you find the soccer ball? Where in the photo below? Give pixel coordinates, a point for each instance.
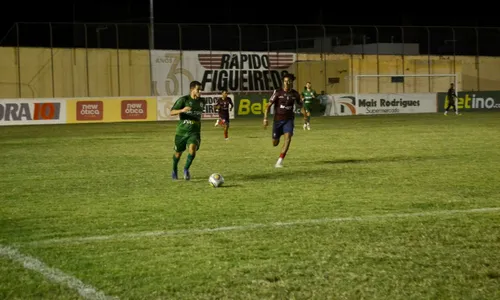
(216, 180)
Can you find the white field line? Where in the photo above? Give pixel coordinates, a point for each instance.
(145, 234)
(52, 274)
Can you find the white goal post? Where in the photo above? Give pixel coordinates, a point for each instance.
(444, 88)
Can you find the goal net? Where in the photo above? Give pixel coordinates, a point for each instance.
(391, 94)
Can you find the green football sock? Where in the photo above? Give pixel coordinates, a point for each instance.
(175, 163)
(189, 161)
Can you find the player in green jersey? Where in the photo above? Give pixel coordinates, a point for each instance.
(188, 131)
(308, 96)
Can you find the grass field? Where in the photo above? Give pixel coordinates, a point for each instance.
(379, 207)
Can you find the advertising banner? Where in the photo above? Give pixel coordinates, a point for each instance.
(218, 70)
(254, 104)
(165, 103)
(32, 111)
(377, 104)
(472, 101)
(116, 109)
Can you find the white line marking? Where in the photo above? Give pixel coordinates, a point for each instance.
(123, 236)
(55, 275)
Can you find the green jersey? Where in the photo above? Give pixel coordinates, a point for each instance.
(309, 96)
(189, 122)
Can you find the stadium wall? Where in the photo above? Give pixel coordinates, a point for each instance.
(57, 72)
(38, 111)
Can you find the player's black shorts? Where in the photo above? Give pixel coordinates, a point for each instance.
(224, 120)
(281, 127)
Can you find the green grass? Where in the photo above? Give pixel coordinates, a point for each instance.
(61, 184)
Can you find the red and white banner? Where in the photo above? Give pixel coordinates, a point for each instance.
(218, 70)
(32, 111)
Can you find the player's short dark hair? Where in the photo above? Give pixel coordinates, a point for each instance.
(194, 84)
(223, 90)
(289, 76)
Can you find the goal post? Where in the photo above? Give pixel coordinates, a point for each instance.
(397, 84)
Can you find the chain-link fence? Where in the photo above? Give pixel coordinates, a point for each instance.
(87, 60)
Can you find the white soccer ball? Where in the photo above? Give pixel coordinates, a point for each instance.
(216, 180)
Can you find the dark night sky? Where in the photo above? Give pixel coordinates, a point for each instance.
(214, 12)
(167, 11)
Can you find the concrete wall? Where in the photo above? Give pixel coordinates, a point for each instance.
(72, 76)
(46, 73)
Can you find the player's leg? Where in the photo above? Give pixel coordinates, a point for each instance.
(287, 130)
(455, 106)
(193, 146)
(304, 115)
(226, 129)
(448, 107)
(217, 122)
(308, 117)
(179, 147)
(277, 132)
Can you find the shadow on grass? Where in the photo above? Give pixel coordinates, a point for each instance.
(313, 171)
(202, 180)
(378, 159)
(280, 174)
(229, 185)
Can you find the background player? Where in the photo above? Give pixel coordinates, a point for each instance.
(308, 97)
(283, 100)
(452, 98)
(223, 106)
(188, 131)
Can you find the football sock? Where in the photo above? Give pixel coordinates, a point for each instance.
(225, 134)
(189, 161)
(282, 155)
(176, 163)
(308, 119)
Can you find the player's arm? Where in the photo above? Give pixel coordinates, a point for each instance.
(300, 100)
(300, 103)
(268, 107)
(231, 103)
(315, 96)
(217, 105)
(179, 107)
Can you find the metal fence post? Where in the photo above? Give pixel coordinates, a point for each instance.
(180, 56)
(150, 50)
(454, 50)
(429, 71)
(210, 42)
(403, 54)
(18, 51)
(52, 61)
(378, 59)
(351, 33)
(296, 53)
(324, 59)
(240, 46)
(477, 59)
(268, 39)
(118, 58)
(87, 59)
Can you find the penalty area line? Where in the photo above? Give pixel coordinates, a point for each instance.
(191, 231)
(53, 274)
